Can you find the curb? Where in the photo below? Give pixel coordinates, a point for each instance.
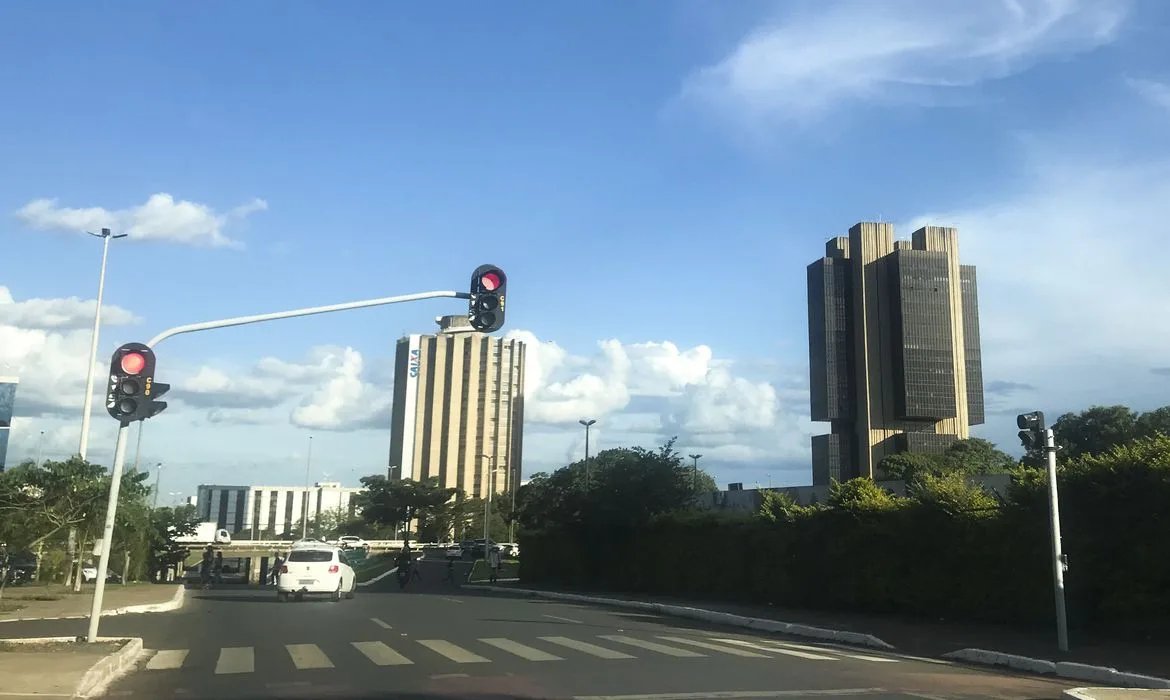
(722, 618)
(174, 603)
(1061, 669)
(1087, 693)
(105, 671)
(379, 577)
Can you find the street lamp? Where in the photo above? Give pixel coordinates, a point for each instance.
(87, 406)
(487, 501)
(587, 424)
(305, 498)
(695, 473)
(157, 480)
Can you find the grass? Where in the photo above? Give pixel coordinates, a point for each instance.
(7, 606)
(509, 568)
(98, 648)
(373, 567)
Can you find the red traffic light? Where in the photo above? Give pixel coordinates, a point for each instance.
(490, 282)
(133, 363)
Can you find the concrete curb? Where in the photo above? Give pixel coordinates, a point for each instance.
(1091, 693)
(722, 618)
(104, 672)
(174, 603)
(1061, 669)
(379, 577)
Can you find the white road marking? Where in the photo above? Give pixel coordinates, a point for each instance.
(235, 660)
(167, 659)
(653, 646)
(381, 654)
(735, 694)
(381, 624)
(306, 656)
(787, 652)
(522, 650)
(456, 653)
(587, 648)
(563, 619)
(734, 651)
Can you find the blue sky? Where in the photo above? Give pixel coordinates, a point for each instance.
(676, 164)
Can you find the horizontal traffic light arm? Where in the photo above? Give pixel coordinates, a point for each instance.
(296, 313)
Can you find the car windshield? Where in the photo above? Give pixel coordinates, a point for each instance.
(310, 555)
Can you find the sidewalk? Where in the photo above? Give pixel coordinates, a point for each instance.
(53, 600)
(923, 637)
(36, 669)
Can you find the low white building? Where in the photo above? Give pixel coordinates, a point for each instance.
(273, 510)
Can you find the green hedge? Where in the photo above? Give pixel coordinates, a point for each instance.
(911, 559)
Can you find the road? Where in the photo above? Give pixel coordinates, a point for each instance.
(432, 641)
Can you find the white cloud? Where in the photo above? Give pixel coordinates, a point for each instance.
(58, 314)
(1153, 91)
(652, 391)
(800, 67)
(46, 343)
(159, 218)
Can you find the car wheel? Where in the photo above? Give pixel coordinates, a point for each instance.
(349, 595)
(337, 593)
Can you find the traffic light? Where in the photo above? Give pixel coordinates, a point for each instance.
(132, 393)
(1032, 430)
(486, 310)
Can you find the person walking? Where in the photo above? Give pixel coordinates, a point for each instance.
(493, 561)
(205, 567)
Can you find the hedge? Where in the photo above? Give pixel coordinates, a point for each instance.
(912, 559)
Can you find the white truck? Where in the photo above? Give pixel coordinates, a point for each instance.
(206, 533)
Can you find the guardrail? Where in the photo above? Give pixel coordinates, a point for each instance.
(285, 544)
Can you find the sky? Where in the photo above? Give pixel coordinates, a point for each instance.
(653, 176)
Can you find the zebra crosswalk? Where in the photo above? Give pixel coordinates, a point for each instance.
(486, 650)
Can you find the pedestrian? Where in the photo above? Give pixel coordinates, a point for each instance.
(217, 568)
(205, 567)
(493, 561)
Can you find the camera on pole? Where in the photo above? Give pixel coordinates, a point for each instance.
(486, 308)
(1032, 429)
(132, 394)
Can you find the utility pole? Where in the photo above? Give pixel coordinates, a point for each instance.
(305, 502)
(487, 503)
(87, 404)
(588, 424)
(695, 473)
(157, 472)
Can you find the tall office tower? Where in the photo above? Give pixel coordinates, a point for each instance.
(7, 400)
(894, 355)
(458, 409)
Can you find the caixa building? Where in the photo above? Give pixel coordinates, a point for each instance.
(257, 512)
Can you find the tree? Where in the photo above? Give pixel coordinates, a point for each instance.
(779, 507)
(906, 466)
(953, 493)
(166, 525)
(1094, 431)
(970, 456)
(860, 495)
(387, 502)
(621, 489)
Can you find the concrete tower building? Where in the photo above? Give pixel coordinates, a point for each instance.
(458, 409)
(894, 355)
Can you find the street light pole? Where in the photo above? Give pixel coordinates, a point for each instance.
(512, 523)
(305, 502)
(87, 404)
(487, 503)
(138, 448)
(157, 473)
(41, 448)
(587, 424)
(695, 473)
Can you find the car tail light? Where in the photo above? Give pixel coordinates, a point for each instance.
(334, 569)
(284, 569)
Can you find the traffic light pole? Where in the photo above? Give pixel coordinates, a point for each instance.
(120, 446)
(1058, 564)
(99, 586)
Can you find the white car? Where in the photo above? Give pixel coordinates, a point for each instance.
(315, 569)
(352, 542)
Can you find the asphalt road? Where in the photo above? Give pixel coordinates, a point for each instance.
(432, 641)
